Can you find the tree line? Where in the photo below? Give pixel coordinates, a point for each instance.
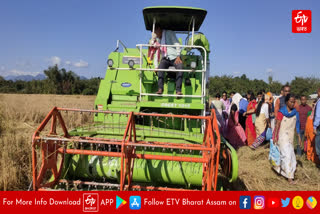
(58, 81)
(299, 85)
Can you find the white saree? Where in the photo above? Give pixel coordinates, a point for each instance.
(288, 161)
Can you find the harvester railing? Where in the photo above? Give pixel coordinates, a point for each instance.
(55, 141)
(203, 70)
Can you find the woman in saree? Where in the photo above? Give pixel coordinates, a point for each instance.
(251, 110)
(235, 100)
(287, 121)
(235, 132)
(262, 122)
(271, 113)
(310, 137)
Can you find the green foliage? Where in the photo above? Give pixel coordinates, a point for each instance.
(299, 86)
(58, 81)
(305, 86)
(61, 81)
(275, 87)
(238, 84)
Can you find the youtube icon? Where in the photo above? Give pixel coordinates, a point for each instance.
(273, 202)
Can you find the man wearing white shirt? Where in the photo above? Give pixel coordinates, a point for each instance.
(170, 57)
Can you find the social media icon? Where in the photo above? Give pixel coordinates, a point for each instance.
(311, 202)
(120, 202)
(273, 202)
(135, 203)
(259, 202)
(245, 202)
(285, 203)
(297, 202)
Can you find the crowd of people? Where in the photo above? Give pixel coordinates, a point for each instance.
(246, 120)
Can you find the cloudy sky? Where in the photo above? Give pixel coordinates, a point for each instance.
(247, 36)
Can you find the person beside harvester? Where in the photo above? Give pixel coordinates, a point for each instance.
(262, 122)
(310, 137)
(259, 96)
(250, 113)
(243, 104)
(225, 101)
(276, 101)
(218, 104)
(316, 124)
(304, 109)
(231, 95)
(287, 121)
(235, 133)
(271, 113)
(219, 107)
(170, 57)
(280, 102)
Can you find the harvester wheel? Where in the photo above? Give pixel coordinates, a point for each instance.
(226, 163)
(229, 161)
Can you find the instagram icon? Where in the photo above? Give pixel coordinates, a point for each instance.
(258, 202)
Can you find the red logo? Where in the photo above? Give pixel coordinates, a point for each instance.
(90, 202)
(301, 21)
(273, 202)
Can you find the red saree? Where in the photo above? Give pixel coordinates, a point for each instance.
(250, 129)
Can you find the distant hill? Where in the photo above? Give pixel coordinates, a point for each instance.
(25, 77)
(28, 78)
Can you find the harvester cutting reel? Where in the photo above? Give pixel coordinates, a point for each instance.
(74, 152)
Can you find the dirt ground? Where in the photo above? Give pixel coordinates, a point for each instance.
(21, 114)
(255, 173)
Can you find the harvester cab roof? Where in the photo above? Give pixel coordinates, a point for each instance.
(182, 20)
(174, 18)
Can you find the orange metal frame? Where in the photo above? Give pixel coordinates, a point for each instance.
(53, 144)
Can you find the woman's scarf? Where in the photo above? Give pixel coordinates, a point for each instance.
(294, 112)
(154, 49)
(235, 100)
(284, 111)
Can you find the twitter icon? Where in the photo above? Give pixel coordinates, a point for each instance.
(286, 202)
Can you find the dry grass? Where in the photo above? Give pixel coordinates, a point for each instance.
(19, 117)
(256, 174)
(21, 114)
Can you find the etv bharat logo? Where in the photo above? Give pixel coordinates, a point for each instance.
(301, 21)
(90, 202)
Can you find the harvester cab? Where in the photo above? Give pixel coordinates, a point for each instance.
(131, 79)
(134, 138)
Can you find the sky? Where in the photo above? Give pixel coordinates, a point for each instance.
(246, 36)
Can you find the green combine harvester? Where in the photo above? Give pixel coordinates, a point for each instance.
(136, 139)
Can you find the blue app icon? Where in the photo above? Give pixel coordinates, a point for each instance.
(286, 202)
(135, 203)
(245, 202)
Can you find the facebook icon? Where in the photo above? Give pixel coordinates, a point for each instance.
(245, 202)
